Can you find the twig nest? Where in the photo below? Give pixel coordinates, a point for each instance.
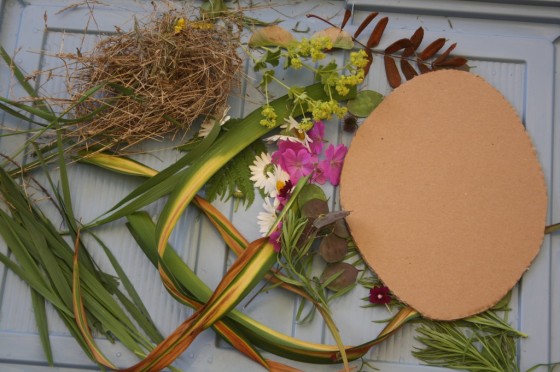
(155, 80)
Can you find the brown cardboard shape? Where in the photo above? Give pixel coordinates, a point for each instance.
(447, 198)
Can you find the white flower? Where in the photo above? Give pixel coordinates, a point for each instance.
(267, 218)
(261, 170)
(291, 131)
(267, 176)
(209, 123)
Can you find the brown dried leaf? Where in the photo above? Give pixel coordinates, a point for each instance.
(271, 36)
(417, 37)
(393, 75)
(398, 45)
(407, 52)
(365, 23)
(377, 32)
(340, 39)
(422, 67)
(444, 55)
(453, 62)
(370, 61)
(347, 15)
(408, 71)
(432, 49)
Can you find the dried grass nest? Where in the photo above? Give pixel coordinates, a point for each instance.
(155, 80)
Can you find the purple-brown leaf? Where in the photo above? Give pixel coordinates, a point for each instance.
(453, 62)
(377, 32)
(398, 45)
(417, 37)
(444, 55)
(365, 23)
(347, 15)
(392, 72)
(408, 71)
(432, 49)
(422, 67)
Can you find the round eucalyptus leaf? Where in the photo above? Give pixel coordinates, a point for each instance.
(365, 102)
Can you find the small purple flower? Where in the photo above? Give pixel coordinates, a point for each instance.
(379, 295)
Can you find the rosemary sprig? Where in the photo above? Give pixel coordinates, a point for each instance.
(482, 343)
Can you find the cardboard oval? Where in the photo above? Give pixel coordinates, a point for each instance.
(447, 197)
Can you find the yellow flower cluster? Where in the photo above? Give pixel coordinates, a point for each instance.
(359, 59)
(269, 116)
(308, 48)
(179, 25)
(305, 124)
(344, 82)
(324, 110)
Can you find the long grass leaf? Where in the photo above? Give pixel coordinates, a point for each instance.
(80, 313)
(138, 310)
(22, 80)
(40, 313)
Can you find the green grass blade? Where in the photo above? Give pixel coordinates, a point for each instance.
(136, 307)
(161, 183)
(40, 314)
(22, 80)
(80, 314)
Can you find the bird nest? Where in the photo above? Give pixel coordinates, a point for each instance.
(154, 81)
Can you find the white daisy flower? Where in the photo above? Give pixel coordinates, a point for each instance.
(291, 131)
(266, 218)
(209, 123)
(277, 181)
(267, 176)
(261, 170)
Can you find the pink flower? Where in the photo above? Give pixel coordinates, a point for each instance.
(319, 177)
(283, 146)
(316, 134)
(274, 238)
(298, 164)
(332, 165)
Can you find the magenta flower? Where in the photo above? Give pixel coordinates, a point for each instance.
(298, 164)
(274, 238)
(379, 295)
(316, 134)
(332, 165)
(283, 146)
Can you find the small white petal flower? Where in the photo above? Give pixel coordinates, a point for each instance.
(277, 181)
(291, 131)
(209, 123)
(266, 218)
(261, 170)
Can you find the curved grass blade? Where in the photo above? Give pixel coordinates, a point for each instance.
(139, 223)
(241, 277)
(143, 229)
(236, 139)
(80, 313)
